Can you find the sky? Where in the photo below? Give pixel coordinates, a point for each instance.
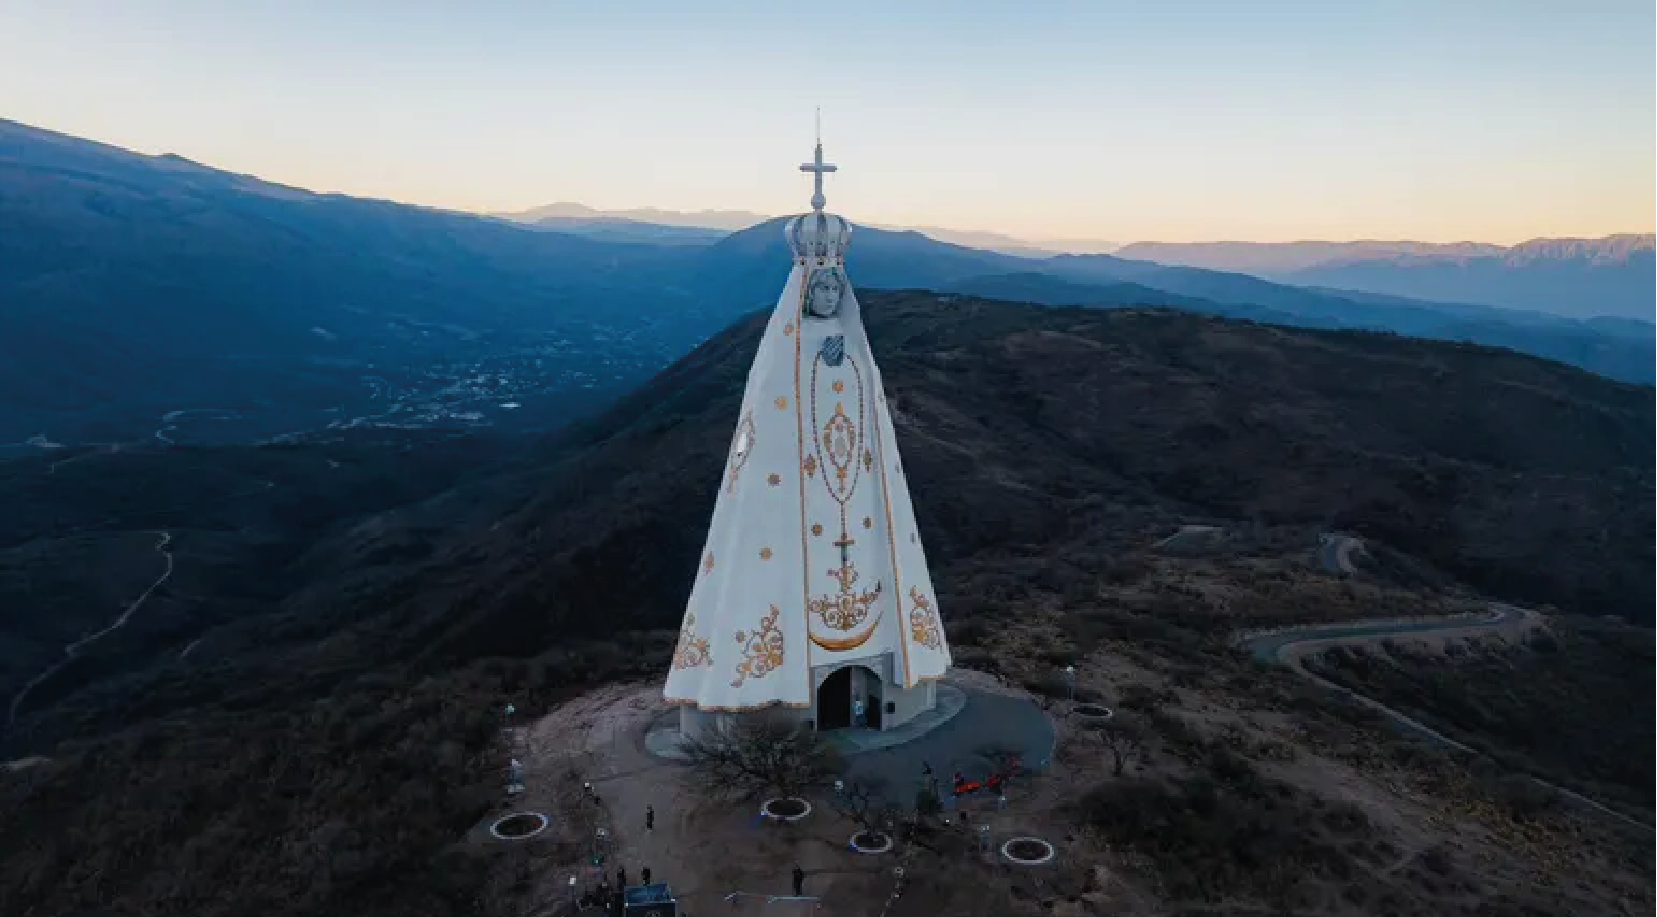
(1170, 120)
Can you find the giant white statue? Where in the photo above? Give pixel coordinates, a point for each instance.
(812, 600)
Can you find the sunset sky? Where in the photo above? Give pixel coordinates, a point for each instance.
(1491, 120)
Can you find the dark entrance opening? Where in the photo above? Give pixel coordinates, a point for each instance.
(834, 700)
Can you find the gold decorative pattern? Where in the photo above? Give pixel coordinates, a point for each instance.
(782, 403)
(692, 650)
(849, 608)
(707, 563)
(838, 386)
(840, 438)
(868, 460)
(868, 523)
(817, 528)
(840, 645)
(764, 553)
(773, 479)
(923, 621)
(788, 330)
(761, 650)
(810, 466)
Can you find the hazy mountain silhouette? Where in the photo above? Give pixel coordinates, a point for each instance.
(590, 221)
(132, 286)
(1580, 278)
(726, 220)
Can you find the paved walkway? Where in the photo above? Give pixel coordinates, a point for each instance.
(987, 725)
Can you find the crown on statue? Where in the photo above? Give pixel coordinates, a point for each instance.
(818, 235)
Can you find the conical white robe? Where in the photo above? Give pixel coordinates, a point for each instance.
(812, 560)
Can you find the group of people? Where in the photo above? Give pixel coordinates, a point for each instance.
(613, 898)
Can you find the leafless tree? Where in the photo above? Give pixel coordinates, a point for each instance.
(866, 803)
(750, 758)
(1123, 740)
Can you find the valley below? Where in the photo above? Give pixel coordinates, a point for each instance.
(302, 715)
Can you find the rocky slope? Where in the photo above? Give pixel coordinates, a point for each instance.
(334, 744)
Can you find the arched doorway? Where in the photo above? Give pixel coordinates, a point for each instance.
(839, 693)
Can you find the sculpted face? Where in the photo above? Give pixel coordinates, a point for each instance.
(824, 291)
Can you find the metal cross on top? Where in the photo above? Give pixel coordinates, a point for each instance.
(818, 168)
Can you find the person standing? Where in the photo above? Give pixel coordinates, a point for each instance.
(799, 881)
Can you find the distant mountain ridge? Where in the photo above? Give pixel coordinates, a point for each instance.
(1579, 278)
(133, 287)
(727, 220)
(580, 218)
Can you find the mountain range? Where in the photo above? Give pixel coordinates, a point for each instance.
(134, 289)
(669, 225)
(1580, 278)
(1576, 278)
(379, 470)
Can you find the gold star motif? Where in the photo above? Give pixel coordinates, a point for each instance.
(782, 403)
(764, 553)
(868, 523)
(838, 386)
(774, 479)
(816, 528)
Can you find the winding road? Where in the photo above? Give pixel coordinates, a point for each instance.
(1335, 552)
(1290, 647)
(70, 651)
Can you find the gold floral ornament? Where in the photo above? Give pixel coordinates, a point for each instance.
(923, 621)
(868, 460)
(817, 528)
(849, 608)
(838, 440)
(868, 523)
(742, 446)
(773, 479)
(782, 403)
(761, 650)
(692, 650)
(764, 553)
(788, 330)
(838, 386)
(810, 466)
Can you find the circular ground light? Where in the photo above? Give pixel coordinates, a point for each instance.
(785, 808)
(1028, 851)
(1092, 713)
(518, 826)
(871, 842)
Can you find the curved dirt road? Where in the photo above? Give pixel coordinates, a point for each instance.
(1290, 647)
(74, 648)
